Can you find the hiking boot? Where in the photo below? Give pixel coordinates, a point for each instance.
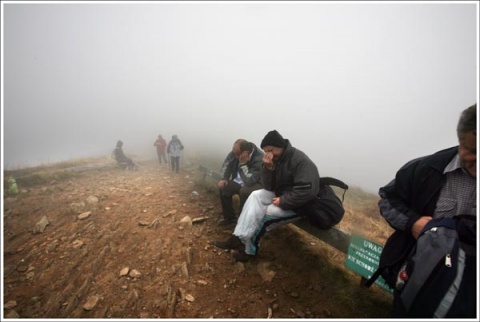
(227, 222)
(233, 242)
(243, 257)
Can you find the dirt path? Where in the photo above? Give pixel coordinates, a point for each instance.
(121, 244)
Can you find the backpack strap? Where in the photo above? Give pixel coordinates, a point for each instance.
(374, 277)
(329, 181)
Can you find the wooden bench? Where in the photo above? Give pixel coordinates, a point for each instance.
(362, 255)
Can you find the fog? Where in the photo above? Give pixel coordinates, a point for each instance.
(360, 88)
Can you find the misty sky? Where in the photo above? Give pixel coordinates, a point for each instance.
(360, 88)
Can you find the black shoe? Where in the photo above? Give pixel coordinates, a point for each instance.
(233, 242)
(243, 257)
(227, 222)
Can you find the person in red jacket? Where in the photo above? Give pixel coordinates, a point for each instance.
(161, 145)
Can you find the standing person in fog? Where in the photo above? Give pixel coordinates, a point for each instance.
(174, 149)
(241, 175)
(161, 145)
(441, 185)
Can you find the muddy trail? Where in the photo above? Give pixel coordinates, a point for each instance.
(102, 242)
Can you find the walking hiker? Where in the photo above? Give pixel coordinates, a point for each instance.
(174, 149)
(161, 145)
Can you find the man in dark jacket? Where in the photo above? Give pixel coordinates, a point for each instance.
(241, 176)
(439, 185)
(290, 180)
(121, 158)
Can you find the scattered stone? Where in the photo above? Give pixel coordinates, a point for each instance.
(135, 273)
(199, 220)
(154, 224)
(239, 267)
(77, 207)
(10, 304)
(185, 269)
(270, 313)
(91, 200)
(182, 292)
(40, 226)
(187, 220)
(91, 303)
(12, 315)
(143, 223)
(77, 243)
(266, 274)
(22, 267)
(202, 282)
(294, 294)
(189, 298)
(171, 212)
(124, 271)
(84, 215)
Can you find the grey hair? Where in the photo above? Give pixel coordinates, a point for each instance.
(467, 122)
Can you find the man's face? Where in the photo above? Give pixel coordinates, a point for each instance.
(467, 151)
(275, 151)
(236, 150)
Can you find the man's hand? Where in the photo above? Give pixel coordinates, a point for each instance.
(222, 184)
(268, 160)
(276, 201)
(244, 157)
(419, 224)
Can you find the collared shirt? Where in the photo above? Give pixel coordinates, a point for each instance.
(458, 194)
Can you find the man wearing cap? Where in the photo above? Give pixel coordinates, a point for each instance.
(290, 180)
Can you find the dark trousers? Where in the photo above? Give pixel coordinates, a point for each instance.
(226, 197)
(162, 156)
(175, 161)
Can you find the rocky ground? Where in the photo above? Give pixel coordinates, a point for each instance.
(102, 242)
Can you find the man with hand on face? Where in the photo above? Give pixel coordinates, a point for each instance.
(290, 181)
(241, 175)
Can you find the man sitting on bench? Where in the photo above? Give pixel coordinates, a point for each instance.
(290, 180)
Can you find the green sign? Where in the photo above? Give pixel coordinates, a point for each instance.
(363, 257)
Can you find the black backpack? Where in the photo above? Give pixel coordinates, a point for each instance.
(326, 210)
(438, 276)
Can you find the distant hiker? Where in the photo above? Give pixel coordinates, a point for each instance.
(174, 149)
(241, 175)
(121, 158)
(290, 180)
(438, 186)
(161, 145)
